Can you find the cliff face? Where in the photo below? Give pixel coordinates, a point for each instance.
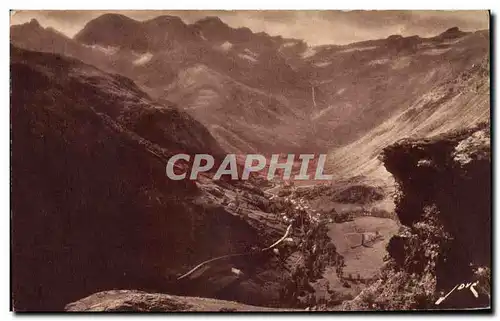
(444, 204)
(91, 207)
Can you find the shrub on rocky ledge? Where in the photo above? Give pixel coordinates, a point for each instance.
(444, 203)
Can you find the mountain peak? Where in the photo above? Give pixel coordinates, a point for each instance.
(113, 30)
(114, 17)
(165, 19)
(211, 22)
(109, 22)
(33, 22)
(453, 32)
(211, 19)
(394, 37)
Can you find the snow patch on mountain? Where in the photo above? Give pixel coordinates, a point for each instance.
(309, 52)
(226, 46)
(247, 57)
(358, 49)
(376, 62)
(108, 50)
(323, 64)
(289, 44)
(143, 59)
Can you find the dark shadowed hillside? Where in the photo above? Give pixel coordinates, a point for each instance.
(89, 151)
(91, 207)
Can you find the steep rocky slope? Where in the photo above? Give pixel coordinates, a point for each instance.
(452, 105)
(365, 83)
(444, 203)
(33, 36)
(241, 118)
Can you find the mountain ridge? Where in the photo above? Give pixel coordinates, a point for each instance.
(333, 94)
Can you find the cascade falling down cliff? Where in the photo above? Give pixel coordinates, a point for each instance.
(444, 204)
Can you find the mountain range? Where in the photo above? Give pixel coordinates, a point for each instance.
(95, 117)
(247, 88)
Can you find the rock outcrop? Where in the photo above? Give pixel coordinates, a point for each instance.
(444, 203)
(138, 301)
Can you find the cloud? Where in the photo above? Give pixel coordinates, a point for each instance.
(315, 27)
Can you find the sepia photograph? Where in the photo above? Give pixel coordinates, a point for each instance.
(250, 161)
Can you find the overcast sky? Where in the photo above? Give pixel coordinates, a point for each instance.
(315, 27)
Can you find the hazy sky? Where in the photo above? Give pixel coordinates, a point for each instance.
(315, 27)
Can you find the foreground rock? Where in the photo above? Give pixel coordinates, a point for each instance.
(445, 204)
(138, 301)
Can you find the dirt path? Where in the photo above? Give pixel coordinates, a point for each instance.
(204, 263)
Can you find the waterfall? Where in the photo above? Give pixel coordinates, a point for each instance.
(313, 97)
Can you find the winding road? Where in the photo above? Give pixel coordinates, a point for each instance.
(197, 267)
